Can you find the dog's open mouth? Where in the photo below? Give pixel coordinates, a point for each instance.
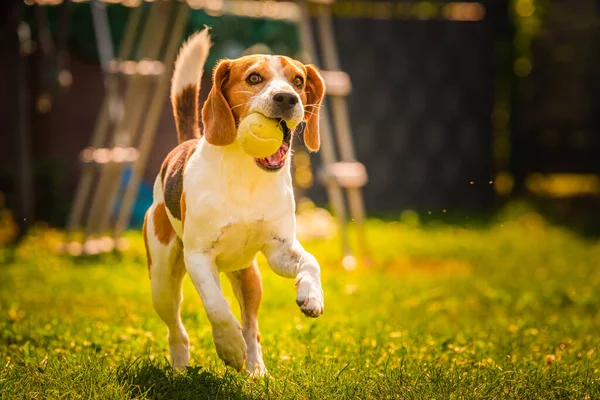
(277, 160)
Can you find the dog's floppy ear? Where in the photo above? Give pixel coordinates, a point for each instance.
(315, 90)
(219, 124)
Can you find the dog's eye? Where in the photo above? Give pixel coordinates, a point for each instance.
(298, 82)
(254, 78)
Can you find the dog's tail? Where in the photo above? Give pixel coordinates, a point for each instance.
(185, 86)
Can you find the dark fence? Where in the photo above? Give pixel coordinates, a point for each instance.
(558, 107)
(420, 110)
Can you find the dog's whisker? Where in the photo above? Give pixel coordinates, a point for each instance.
(240, 105)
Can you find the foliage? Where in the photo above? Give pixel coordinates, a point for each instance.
(509, 310)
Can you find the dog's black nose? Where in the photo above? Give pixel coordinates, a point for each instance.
(285, 101)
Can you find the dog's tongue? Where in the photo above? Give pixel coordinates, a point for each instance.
(277, 157)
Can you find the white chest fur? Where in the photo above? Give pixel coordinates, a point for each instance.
(232, 206)
(238, 244)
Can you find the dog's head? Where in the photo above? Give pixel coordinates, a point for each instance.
(275, 86)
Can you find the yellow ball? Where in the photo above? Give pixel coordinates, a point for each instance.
(260, 136)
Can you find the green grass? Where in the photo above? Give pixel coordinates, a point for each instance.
(508, 310)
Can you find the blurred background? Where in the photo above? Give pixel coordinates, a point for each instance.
(455, 107)
(459, 175)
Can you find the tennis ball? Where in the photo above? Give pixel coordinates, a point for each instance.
(260, 136)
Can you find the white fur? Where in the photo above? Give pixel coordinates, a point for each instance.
(234, 209)
(166, 276)
(190, 62)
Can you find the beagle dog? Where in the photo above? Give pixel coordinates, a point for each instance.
(215, 207)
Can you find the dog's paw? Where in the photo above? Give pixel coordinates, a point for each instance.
(256, 369)
(310, 296)
(180, 361)
(230, 344)
(179, 344)
(255, 365)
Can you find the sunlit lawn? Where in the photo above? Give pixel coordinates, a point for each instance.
(510, 310)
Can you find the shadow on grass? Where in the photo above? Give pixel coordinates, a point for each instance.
(155, 380)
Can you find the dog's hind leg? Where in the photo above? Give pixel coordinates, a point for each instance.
(247, 286)
(167, 270)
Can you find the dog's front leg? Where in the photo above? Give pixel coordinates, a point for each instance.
(227, 332)
(289, 259)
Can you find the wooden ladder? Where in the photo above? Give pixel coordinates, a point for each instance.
(115, 142)
(345, 174)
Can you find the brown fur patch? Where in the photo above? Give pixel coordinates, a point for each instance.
(171, 174)
(315, 90)
(219, 125)
(145, 231)
(185, 109)
(182, 207)
(251, 288)
(162, 226)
